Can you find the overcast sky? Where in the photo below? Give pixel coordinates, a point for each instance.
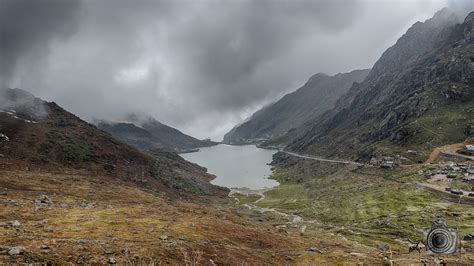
(200, 66)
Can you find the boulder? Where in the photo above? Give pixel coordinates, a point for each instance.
(112, 260)
(16, 251)
(43, 201)
(14, 223)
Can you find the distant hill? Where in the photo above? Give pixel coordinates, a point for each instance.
(318, 95)
(41, 135)
(418, 95)
(150, 134)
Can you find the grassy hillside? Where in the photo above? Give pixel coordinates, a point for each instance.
(56, 139)
(364, 204)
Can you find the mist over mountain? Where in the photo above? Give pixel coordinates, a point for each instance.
(42, 135)
(101, 99)
(318, 95)
(418, 95)
(147, 133)
(201, 67)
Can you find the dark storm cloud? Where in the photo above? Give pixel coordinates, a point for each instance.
(27, 28)
(202, 66)
(225, 52)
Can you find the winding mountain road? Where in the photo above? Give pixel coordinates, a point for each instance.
(319, 158)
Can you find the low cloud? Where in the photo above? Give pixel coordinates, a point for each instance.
(201, 66)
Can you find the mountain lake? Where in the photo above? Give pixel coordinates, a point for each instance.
(243, 166)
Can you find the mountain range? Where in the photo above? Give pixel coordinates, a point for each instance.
(147, 133)
(318, 95)
(42, 135)
(419, 95)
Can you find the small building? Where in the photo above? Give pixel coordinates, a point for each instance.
(468, 178)
(374, 161)
(386, 165)
(452, 175)
(469, 147)
(456, 168)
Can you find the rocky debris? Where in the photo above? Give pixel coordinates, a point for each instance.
(16, 251)
(112, 260)
(418, 247)
(163, 237)
(282, 228)
(12, 202)
(314, 249)
(14, 224)
(48, 229)
(384, 222)
(4, 249)
(43, 201)
(453, 214)
(40, 224)
(356, 254)
(303, 230)
(80, 260)
(45, 249)
(88, 205)
(383, 246)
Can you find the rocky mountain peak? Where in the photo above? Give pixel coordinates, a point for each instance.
(469, 18)
(469, 27)
(419, 38)
(317, 76)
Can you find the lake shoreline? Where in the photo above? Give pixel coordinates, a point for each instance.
(236, 166)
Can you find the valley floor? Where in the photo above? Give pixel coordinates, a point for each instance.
(370, 206)
(102, 220)
(322, 213)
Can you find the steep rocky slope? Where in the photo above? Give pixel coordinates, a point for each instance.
(318, 95)
(151, 134)
(40, 135)
(419, 94)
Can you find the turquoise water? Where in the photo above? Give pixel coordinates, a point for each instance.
(236, 166)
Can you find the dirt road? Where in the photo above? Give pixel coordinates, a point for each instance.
(320, 159)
